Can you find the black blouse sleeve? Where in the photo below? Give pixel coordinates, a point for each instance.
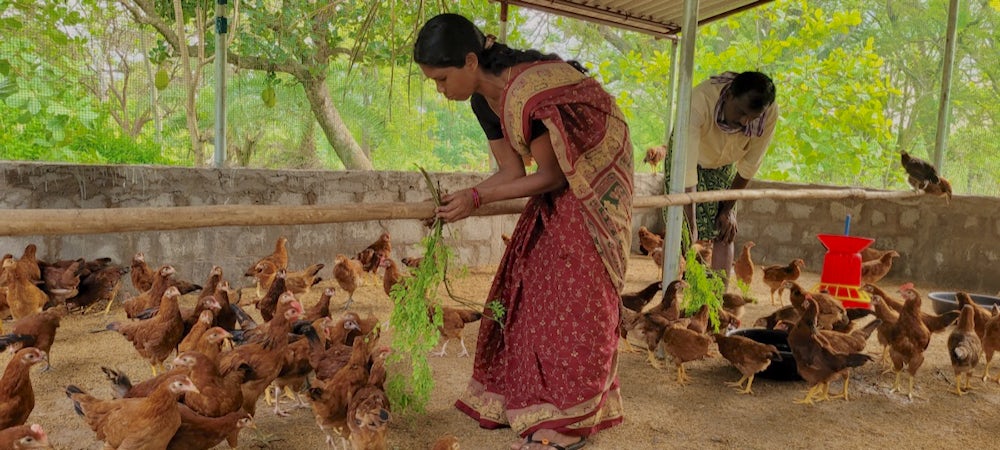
(491, 122)
(487, 118)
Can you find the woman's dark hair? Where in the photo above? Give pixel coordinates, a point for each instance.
(446, 38)
(757, 87)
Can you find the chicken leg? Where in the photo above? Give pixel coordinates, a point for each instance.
(443, 351)
(682, 377)
(748, 379)
(652, 360)
(465, 351)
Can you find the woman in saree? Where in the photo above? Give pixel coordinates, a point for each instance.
(548, 367)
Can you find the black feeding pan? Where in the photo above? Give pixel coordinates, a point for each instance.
(945, 301)
(783, 370)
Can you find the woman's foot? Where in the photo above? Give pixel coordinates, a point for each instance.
(549, 440)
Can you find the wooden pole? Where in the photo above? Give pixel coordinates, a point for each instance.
(37, 222)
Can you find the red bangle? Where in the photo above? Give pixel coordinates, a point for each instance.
(475, 198)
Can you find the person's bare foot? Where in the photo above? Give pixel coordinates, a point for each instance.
(547, 440)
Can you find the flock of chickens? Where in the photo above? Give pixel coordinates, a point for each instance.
(823, 336)
(222, 360)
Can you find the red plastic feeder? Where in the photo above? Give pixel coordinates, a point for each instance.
(841, 276)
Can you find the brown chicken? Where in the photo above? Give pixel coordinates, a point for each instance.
(648, 240)
(191, 339)
(908, 339)
(227, 298)
(217, 394)
(264, 358)
(347, 272)
(41, 327)
(62, 282)
(991, 340)
(99, 285)
(134, 423)
(453, 321)
(269, 302)
(292, 377)
(298, 282)
(655, 155)
(29, 261)
(872, 254)
(873, 271)
(636, 301)
(379, 251)
(23, 296)
(279, 257)
(327, 353)
(331, 398)
(846, 343)
(140, 274)
(143, 277)
(150, 298)
(934, 322)
(155, 338)
(321, 308)
(699, 320)
(964, 347)
(743, 267)
(746, 355)
(198, 432)
(832, 314)
(209, 343)
(654, 321)
(981, 316)
(775, 275)
(788, 314)
(369, 412)
(684, 345)
(412, 262)
(391, 276)
(17, 398)
(815, 359)
(24, 437)
(735, 304)
(941, 189)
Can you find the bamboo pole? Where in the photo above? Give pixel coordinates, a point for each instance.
(37, 222)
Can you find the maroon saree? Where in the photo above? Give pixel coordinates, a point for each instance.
(553, 364)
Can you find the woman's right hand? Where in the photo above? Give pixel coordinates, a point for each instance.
(455, 207)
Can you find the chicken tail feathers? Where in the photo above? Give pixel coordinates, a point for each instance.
(148, 313)
(9, 339)
(120, 383)
(72, 390)
(857, 313)
(246, 322)
(856, 359)
(113, 326)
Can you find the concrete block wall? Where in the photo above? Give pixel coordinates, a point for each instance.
(475, 241)
(954, 246)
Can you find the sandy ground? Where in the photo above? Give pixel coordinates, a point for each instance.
(660, 414)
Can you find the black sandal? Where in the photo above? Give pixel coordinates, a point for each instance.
(574, 446)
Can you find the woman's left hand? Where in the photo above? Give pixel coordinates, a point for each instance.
(725, 222)
(455, 207)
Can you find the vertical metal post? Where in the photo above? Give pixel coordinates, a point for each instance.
(668, 120)
(675, 214)
(221, 29)
(948, 66)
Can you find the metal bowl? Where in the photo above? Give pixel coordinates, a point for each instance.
(945, 301)
(783, 370)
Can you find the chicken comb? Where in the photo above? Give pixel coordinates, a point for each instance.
(906, 286)
(37, 429)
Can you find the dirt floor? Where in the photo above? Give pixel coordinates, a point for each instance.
(660, 414)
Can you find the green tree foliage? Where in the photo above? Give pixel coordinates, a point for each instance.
(857, 82)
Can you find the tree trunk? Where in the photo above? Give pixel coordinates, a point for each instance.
(191, 89)
(333, 125)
